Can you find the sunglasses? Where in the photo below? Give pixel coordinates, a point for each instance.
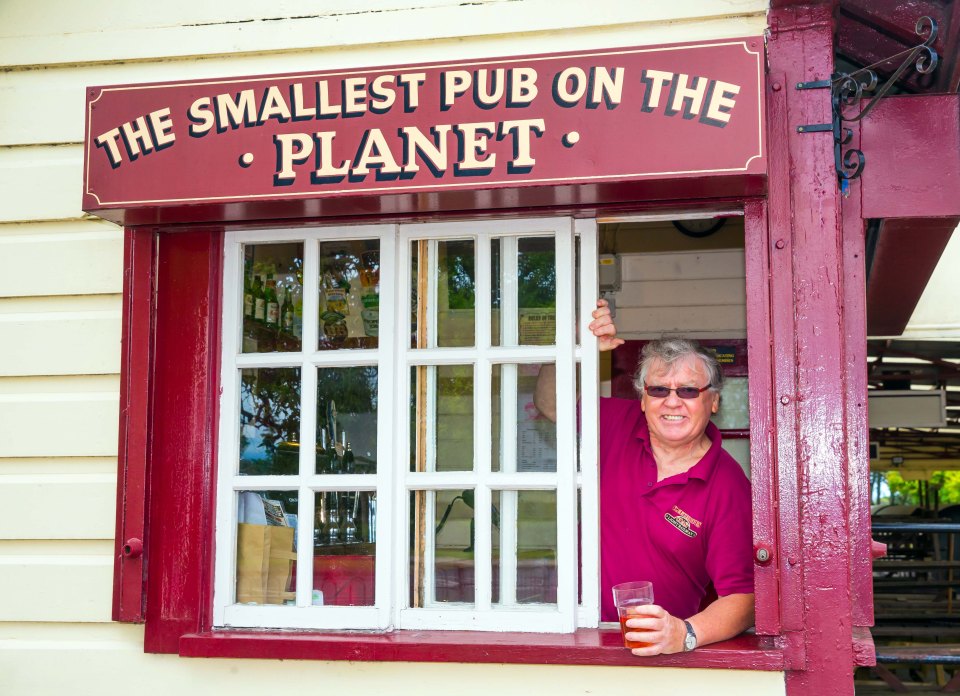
(658, 392)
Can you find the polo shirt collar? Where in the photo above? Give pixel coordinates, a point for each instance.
(702, 469)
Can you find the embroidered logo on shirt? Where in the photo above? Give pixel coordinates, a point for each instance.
(683, 521)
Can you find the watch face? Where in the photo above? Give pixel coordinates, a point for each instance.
(701, 227)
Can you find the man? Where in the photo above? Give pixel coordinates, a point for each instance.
(674, 506)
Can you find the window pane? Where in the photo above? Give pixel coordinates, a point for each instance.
(522, 438)
(441, 418)
(441, 554)
(270, 421)
(349, 294)
(576, 295)
(266, 547)
(524, 547)
(443, 287)
(345, 545)
(272, 297)
(347, 420)
(734, 412)
(524, 291)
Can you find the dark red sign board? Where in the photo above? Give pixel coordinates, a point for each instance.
(588, 117)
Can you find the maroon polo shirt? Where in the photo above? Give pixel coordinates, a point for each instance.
(683, 533)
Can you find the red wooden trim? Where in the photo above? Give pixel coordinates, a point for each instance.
(864, 651)
(585, 647)
(808, 199)
(855, 403)
(784, 383)
(214, 328)
(182, 433)
(135, 366)
(763, 477)
(475, 201)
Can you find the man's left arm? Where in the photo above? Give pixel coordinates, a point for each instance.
(724, 618)
(665, 633)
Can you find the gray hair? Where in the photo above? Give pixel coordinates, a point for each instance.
(672, 350)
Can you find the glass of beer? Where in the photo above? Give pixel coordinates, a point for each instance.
(629, 598)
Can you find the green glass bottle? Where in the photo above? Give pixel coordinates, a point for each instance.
(259, 302)
(272, 306)
(286, 314)
(349, 465)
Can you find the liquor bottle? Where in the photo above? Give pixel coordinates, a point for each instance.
(272, 306)
(247, 295)
(286, 313)
(333, 457)
(348, 458)
(259, 302)
(323, 458)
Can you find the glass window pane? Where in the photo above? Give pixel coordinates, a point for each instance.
(537, 290)
(347, 420)
(349, 294)
(522, 438)
(524, 547)
(270, 421)
(266, 547)
(441, 418)
(524, 291)
(497, 284)
(576, 295)
(344, 546)
(734, 411)
(272, 297)
(443, 288)
(441, 555)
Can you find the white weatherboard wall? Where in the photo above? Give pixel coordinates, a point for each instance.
(60, 284)
(698, 294)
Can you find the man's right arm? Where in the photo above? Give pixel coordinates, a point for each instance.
(545, 394)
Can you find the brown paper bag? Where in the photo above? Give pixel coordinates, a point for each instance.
(264, 559)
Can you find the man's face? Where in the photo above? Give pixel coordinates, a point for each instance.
(674, 421)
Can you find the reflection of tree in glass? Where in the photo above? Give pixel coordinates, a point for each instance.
(270, 403)
(537, 273)
(461, 284)
(353, 389)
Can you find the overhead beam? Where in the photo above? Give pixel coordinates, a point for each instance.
(906, 254)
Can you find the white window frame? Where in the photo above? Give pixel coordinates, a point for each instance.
(393, 482)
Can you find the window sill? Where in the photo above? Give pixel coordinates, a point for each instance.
(585, 647)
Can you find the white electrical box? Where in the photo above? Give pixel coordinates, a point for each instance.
(609, 273)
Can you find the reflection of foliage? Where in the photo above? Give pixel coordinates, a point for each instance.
(461, 285)
(537, 274)
(270, 402)
(945, 485)
(354, 389)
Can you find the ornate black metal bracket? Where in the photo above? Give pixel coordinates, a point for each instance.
(847, 90)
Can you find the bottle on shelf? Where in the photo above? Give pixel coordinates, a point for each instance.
(272, 306)
(259, 302)
(286, 313)
(323, 457)
(248, 294)
(348, 458)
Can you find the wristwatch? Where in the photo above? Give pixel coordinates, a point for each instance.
(690, 642)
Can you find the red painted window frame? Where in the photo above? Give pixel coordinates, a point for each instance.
(167, 472)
